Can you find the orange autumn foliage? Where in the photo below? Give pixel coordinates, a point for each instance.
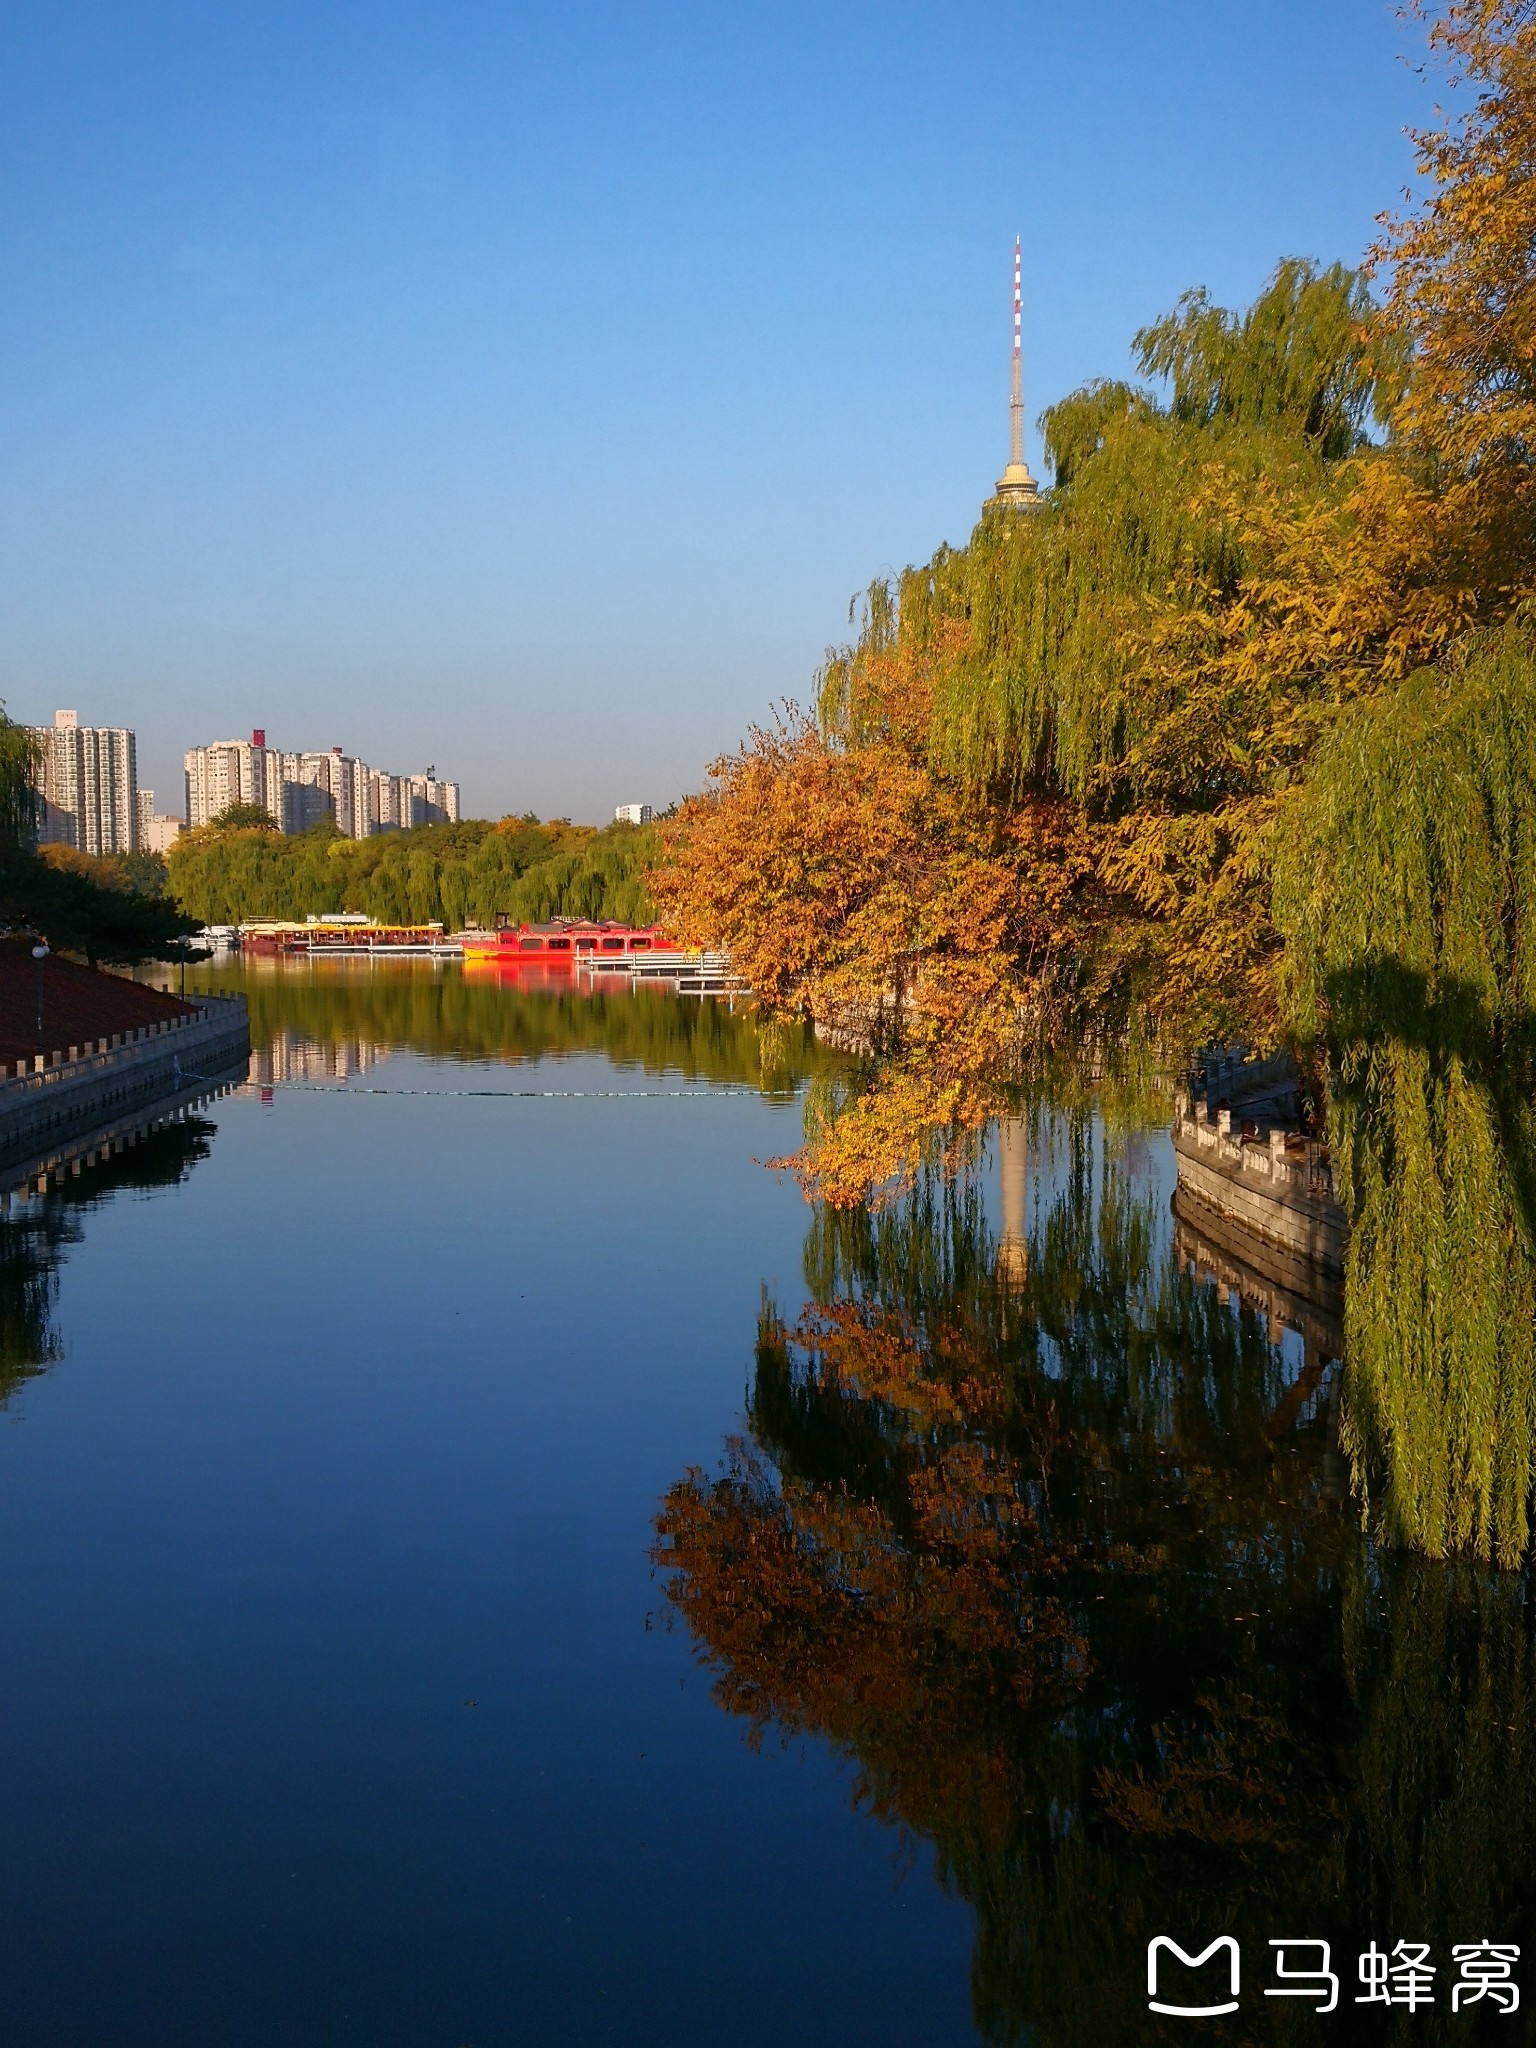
(1462, 272)
(821, 1609)
(854, 884)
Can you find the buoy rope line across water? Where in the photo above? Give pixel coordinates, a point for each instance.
(494, 1094)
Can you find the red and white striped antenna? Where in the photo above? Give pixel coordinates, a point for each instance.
(1017, 408)
(1016, 488)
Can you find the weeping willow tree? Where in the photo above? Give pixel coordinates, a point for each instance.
(1407, 893)
(1223, 563)
(470, 872)
(1239, 639)
(1165, 513)
(19, 757)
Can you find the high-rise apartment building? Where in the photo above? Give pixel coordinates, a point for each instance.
(298, 790)
(434, 802)
(88, 782)
(336, 774)
(234, 772)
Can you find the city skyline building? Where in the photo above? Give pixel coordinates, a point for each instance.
(87, 780)
(156, 834)
(1016, 489)
(230, 772)
(297, 790)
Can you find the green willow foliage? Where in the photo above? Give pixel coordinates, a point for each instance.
(1188, 641)
(18, 797)
(1407, 895)
(1301, 359)
(1056, 683)
(470, 873)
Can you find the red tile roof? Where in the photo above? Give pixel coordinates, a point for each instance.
(78, 1003)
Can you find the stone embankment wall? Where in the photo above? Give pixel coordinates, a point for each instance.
(1269, 1179)
(47, 1096)
(64, 1155)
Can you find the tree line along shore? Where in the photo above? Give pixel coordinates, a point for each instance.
(119, 909)
(473, 872)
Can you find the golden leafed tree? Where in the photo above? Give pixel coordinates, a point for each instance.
(1462, 266)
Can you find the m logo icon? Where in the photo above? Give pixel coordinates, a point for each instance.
(1190, 2012)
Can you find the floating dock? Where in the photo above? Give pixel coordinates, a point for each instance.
(689, 974)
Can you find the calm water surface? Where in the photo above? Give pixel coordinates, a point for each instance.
(486, 1564)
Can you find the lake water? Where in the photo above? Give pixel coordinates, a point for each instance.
(485, 1563)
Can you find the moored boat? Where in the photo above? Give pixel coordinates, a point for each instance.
(344, 933)
(563, 942)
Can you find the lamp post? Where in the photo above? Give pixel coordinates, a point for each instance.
(39, 954)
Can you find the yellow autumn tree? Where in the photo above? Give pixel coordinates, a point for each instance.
(926, 933)
(1462, 269)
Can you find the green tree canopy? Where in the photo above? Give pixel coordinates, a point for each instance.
(464, 874)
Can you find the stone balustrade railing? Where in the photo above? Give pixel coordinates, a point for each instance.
(1284, 1159)
(59, 1069)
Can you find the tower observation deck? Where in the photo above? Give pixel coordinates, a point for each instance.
(1017, 490)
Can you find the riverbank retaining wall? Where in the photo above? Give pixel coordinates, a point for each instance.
(56, 1094)
(1274, 1182)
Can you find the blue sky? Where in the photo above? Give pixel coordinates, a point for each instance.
(526, 389)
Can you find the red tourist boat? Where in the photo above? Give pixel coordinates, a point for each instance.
(562, 943)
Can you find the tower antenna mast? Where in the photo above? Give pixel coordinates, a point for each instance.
(1017, 490)
(1016, 452)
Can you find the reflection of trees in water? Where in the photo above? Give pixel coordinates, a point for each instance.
(453, 1016)
(1031, 1553)
(35, 1233)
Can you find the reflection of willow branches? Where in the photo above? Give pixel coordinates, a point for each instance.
(1443, 1660)
(1031, 1556)
(454, 1016)
(33, 1239)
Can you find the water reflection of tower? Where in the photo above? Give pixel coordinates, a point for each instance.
(1013, 1163)
(291, 1057)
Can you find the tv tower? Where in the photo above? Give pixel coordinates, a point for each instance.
(1017, 490)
